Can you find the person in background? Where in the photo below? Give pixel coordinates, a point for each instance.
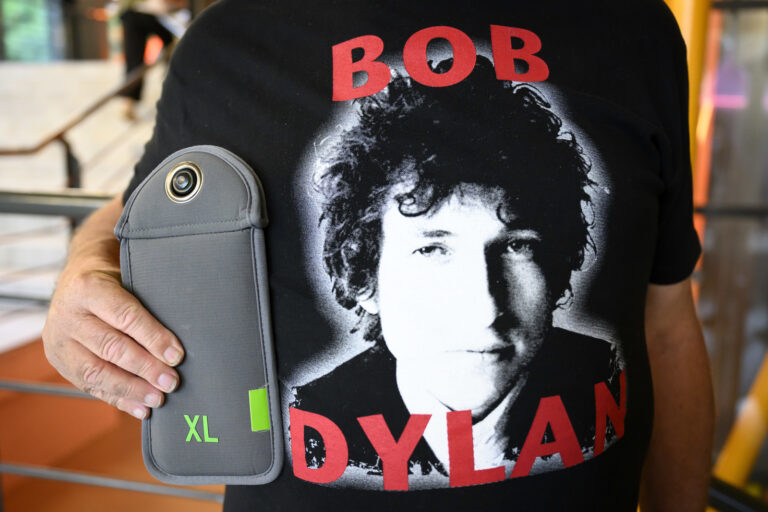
(142, 19)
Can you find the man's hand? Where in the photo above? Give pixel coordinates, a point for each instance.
(677, 467)
(99, 336)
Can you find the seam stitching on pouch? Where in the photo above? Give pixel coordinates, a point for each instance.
(186, 225)
(236, 230)
(149, 429)
(264, 350)
(240, 174)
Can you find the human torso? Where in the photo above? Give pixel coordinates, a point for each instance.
(258, 79)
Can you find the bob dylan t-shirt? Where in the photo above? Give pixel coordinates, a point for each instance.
(467, 205)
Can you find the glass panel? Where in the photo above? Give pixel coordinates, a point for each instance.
(734, 278)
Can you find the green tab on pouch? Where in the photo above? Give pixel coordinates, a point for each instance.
(259, 405)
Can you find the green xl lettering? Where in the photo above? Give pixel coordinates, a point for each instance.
(193, 428)
(205, 432)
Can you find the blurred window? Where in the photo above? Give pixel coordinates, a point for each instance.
(734, 295)
(30, 29)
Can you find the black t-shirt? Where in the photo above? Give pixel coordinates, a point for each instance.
(467, 203)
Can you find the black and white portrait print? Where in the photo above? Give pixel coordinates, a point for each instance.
(450, 232)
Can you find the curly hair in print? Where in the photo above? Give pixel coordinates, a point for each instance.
(419, 146)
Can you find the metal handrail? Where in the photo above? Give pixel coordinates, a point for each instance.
(734, 5)
(77, 477)
(732, 211)
(132, 79)
(41, 301)
(43, 389)
(727, 498)
(71, 202)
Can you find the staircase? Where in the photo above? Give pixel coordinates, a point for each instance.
(39, 430)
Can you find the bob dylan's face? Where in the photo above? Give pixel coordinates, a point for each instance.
(464, 306)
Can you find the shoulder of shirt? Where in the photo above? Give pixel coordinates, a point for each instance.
(660, 20)
(645, 18)
(214, 26)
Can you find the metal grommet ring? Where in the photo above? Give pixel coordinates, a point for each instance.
(183, 182)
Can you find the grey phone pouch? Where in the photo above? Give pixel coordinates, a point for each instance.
(192, 250)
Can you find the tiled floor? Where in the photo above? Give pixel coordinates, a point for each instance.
(36, 100)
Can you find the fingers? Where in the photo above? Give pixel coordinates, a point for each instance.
(111, 345)
(126, 314)
(106, 381)
(100, 338)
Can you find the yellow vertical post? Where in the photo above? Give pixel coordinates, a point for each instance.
(746, 438)
(692, 16)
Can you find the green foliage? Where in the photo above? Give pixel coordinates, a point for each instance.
(26, 30)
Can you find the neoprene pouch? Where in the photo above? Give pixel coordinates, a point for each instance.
(192, 251)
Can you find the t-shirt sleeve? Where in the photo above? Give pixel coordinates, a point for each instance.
(677, 244)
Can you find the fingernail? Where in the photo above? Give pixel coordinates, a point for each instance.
(167, 382)
(139, 413)
(172, 355)
(152, 400)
